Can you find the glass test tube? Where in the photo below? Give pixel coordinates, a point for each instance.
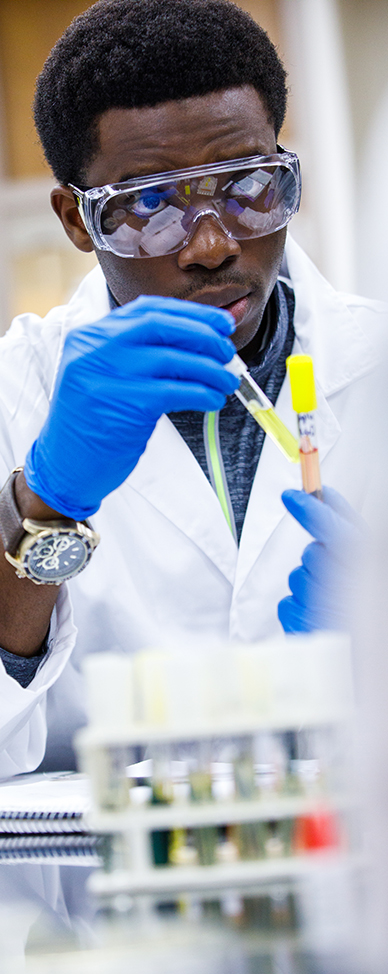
(205, 838)
(106, 766)
(260, 407)
(309, 456)
(162, 794)
(304, 401)
(247, 835)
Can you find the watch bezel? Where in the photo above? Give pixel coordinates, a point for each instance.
(39, 531)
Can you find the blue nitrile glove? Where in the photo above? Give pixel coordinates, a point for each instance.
(116, 378)
(323, 586)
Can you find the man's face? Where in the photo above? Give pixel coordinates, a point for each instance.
(212, 268)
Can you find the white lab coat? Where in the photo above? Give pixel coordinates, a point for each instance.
(168, 568)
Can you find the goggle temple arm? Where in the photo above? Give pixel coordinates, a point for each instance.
(79, 198)
(84, 206)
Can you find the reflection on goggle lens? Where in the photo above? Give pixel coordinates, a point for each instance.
(158, 219)
(147, 205)
(251, 186)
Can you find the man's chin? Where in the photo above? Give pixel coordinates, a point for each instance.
(246, 331)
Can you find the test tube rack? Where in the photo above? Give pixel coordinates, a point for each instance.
(319, 697)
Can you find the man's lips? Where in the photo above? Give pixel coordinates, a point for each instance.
(238, 308)
(233, 299)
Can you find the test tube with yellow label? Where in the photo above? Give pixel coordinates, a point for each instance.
(304, 401)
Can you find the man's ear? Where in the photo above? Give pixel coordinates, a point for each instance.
(64, 205)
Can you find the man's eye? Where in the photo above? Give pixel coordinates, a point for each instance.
(148, 204)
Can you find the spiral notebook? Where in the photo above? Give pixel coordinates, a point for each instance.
(43, 816)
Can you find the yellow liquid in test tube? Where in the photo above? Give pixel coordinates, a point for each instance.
(260, 407)
(268, 419)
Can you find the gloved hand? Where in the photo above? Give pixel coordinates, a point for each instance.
(116, 378)
(323, 587)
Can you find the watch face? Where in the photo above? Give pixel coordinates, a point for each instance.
(56, 558)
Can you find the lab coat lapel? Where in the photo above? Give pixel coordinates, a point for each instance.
(169, 476)
(326, 327)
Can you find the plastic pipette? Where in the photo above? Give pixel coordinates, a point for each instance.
(304, 401)
(260, 407)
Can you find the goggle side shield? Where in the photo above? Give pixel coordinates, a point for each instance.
(157, 215)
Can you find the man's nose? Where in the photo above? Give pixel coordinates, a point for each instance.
(209, 246)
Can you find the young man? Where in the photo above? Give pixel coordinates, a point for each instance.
(119, 406)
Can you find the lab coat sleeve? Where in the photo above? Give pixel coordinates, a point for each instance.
(28, 358)
(23, 711)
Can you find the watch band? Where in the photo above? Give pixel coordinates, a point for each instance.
(46, 552)
(11, 521)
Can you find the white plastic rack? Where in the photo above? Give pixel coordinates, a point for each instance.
(317, 698)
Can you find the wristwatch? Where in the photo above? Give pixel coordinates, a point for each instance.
(47, 552)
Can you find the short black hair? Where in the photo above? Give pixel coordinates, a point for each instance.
(137, 53)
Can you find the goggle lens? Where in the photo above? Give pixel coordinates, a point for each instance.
(159, 220)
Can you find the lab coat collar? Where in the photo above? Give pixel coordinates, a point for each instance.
(325, 327)
(90, 302)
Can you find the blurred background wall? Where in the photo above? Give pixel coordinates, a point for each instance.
(335, 54)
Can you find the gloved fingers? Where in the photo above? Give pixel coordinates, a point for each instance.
(338, 503)
(220, 319)
(311, 591)
(196, 334)
(296, 619)
(171, 363)
(322, 522)
(323, 586)
(174, 396)
(110, 339)
(300, 583)
(320, 560)
(316, 517)
(167, 363)
(137, 402)
(290, 616)
(327, 567)
(317, 559)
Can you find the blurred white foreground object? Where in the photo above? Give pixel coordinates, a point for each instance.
(245, 782)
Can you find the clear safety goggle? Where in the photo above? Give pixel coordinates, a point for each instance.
(157, 215)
